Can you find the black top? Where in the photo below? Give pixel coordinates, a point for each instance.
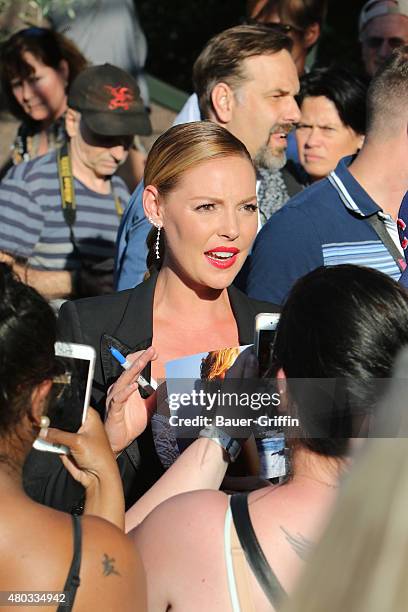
(124, 320)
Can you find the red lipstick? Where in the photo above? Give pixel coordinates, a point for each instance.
(222, 257)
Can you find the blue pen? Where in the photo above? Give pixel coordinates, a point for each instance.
(146, 386)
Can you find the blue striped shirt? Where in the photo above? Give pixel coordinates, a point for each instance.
(32, 224)
(323, 225)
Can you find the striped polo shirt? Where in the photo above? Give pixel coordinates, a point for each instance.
(32, 224)
(323, 225)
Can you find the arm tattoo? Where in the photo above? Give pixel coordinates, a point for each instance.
(108, 567)
(299, 543)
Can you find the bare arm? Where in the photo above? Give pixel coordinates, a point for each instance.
(50, 283)
(111, 569)
(92, 463)
(201, 466)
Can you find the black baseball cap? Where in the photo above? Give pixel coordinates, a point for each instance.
(109, 101)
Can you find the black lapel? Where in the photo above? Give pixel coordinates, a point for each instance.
(134, 331)
(244, 314)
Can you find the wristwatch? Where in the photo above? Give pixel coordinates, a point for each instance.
(231, 446)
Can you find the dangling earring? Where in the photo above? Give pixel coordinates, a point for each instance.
(157, 245)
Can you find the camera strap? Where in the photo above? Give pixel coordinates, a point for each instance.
(67, 191)
(381, 231)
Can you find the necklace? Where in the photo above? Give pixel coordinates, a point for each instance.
(323, 482)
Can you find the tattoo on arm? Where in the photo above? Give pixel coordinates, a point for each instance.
(108, 566)
(299, 543)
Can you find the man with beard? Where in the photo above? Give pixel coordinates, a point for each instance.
(352, 216)
(245, 80)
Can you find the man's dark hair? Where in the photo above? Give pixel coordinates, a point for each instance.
(222, 58)
(300, 14)
(346, 90)
(341, 322)
(387, 97)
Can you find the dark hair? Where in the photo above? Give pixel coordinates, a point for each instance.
(300, 14)
(346, 90)
(222, 58)
(27, 336)
(179, 149)
(343, 322)
(387, 97)
(46, 45)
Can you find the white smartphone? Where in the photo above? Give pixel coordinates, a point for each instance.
(265, 329)
(71, 391)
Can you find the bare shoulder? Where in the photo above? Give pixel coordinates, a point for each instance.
(188, 513)
(112, 568)
(172, 537)
(189, 509)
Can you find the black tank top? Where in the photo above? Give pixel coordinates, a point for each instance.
(72, 582)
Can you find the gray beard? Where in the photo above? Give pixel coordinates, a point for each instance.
(265, 158)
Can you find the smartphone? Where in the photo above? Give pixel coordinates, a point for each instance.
(71, 391)
(265, 330)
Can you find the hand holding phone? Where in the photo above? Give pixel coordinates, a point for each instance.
(90, 453)
(68, 409)
(265, 330)
(92, 463)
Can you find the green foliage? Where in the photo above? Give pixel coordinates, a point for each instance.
(34, 12)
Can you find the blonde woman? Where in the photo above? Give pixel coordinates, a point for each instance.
(200, 197)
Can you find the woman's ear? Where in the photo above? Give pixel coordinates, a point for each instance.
(361, 139)
(151, 204)
(39, 397)
(63, 69)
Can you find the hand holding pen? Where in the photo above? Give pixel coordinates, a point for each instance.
(127, 414)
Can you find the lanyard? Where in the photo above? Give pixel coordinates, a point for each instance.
(67, 189)
(373, 220)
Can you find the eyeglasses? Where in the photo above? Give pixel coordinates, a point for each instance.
(376, 42)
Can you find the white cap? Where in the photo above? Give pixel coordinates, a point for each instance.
(378, 8)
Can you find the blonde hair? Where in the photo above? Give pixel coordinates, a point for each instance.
(362, 560)
(217, 363)
(179, 149)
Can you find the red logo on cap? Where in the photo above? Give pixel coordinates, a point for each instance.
(122, 97)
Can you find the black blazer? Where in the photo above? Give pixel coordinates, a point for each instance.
(124, 320)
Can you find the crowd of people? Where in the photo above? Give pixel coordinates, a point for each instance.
(279, 189)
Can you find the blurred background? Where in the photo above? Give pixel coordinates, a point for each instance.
(176, 31)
